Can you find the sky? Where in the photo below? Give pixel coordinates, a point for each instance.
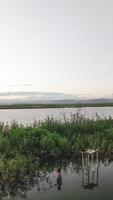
(57, 46)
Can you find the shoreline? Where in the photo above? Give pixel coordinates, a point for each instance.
(43, 106)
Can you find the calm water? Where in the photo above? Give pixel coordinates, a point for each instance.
(27, 116)
(95, 183)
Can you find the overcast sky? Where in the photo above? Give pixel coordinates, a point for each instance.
(57, 46)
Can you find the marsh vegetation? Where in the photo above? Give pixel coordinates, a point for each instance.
(24, 148)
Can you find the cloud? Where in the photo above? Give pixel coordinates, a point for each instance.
(40, 96)
(26, 85)
(18, 85)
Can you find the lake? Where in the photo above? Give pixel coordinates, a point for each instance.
(27, 116)
(95, 182)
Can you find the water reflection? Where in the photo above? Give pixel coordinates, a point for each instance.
(90, 169)
(90, 178)
(59, 179)
(54, 176)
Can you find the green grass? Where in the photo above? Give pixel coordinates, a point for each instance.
(54, 138)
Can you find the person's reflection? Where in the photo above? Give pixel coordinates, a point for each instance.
(59, 179)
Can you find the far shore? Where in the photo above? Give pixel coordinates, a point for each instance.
(41, 106)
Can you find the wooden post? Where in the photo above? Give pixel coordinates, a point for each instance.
(97, 157)
(82, 160)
